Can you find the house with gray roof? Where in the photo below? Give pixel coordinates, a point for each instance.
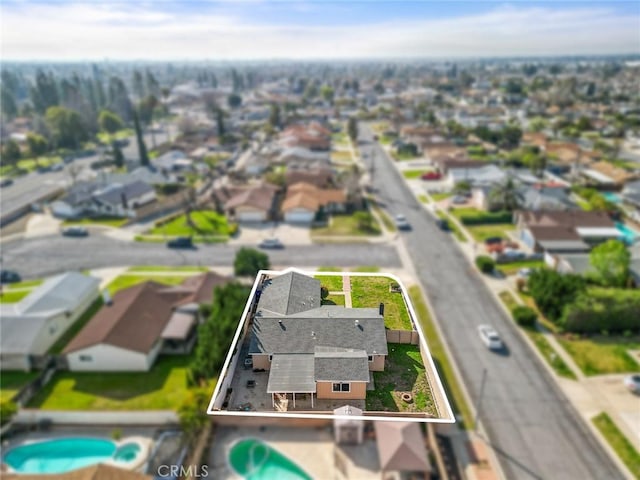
(326, 351)
(31, 326)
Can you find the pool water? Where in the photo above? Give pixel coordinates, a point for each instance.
(255, 460)
(612, 197)
(628, 235)
(66, 454)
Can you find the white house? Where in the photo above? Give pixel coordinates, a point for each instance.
(31, 326)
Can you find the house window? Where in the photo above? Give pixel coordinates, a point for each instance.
(270, 357)
(341, 387)
(86, 358)
(370, 358)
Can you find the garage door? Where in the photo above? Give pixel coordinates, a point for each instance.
(251, 216)
(299, 216)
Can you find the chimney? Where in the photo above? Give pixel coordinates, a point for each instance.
(381, 309)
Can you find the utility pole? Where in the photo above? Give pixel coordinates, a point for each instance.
(479, 406)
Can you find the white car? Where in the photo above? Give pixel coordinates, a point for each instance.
(525, 272)
(271, 243)
(490, 337)
(632, 382)
(402, 223)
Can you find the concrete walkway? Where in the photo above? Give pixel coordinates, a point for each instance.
(346, 288)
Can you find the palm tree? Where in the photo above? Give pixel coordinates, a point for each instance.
(506, 195)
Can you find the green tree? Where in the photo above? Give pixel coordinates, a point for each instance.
(274, 115)
(234, 100)
(8, 102)
(109, 122)
(38, 145)
(505, 194)
(537, 124)
(327, 93)
(552, 291)
(611, 261)
(142, 148)
(352, 128)
(67, 127)
(192, 413)
(364, 220)
(118, 157)
(462, 187)
(249, 262)
(10, 152)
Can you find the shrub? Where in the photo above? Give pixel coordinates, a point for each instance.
(324, 292)
(249, 262)
(7, 411)
(521, 284)
(487, 218)
(552, 291)
(524, 316)
(233, 229)
(599, 309)
(485, 264)
(168, 188)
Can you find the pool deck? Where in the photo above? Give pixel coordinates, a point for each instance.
(312, 449)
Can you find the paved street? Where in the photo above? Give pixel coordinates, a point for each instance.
(40, 256)
(535, 432)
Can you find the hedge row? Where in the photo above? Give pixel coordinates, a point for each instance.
(595, 310)
(487, 218)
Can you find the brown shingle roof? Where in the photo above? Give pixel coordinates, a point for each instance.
(260, 197)
(305, 195)
(569, 218)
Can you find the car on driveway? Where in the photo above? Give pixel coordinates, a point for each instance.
(459, 200)
(431, 176)
(180, 242)
(632, 382)
(271, 244)
(401, 222)
(513, 254)
(57, 167)
(9, 276)
(75, 232)
(490, 337)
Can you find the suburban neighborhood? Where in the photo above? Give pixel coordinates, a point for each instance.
(392, 269)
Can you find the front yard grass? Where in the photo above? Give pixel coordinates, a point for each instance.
(619, 443)
(207, 222)
(403, 156)
(371, 291)
(332, 282)
(598, 355)
(450, 381)
(384, 216)
(341, 156)
(481, 232)
(346, 225)
(78, 325)
(329, 268)
(366, 269)
(13, 382)
(440, 196)
(13, 296)
(452, 226)
(334, 300)
(115, 222)
(512, 268)
(164, 387)
(404, 372)
(24, 284)
(126, 281)
(161, 268)
(412, 174)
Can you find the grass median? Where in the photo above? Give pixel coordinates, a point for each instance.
(619, 443)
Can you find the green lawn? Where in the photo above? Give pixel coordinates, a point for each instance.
(541, 343)
(105, 137)
(366, 269)
(403, 156)
(619, 443)
(346, 225)
(445, 369)
(25, 284)
(126, 281)
(328, 268)
(207, 222)
(412, 174)
(513, 267)
(340, 139)
(601, 355)
(404, 372)
(332, 282)
(481, 232)
(164, 387)
(454, 227)
(12, 382)
(460, 212)
(334, 300)
(78, 325)
(30, 164)
(386, 219)
(341, 156)
(423, 199)
(440, 196)
(115, 222)
(161, 268)
(13, 296)
(371, 291)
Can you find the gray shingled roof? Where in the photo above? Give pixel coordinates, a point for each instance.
(291, 373)
(289, 294)
(302, 334)
(342, 366)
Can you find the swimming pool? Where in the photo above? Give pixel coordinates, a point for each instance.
(628, 235)
(65, 454)
(612, 197)
(255, 460)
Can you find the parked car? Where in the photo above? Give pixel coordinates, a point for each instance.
(490, 337)
(75, 232)
(401, 222)
(9, 276)
(431, 176)
(443, 224)
(632, 382)
(271, 243)
(180, 242)
(495, 248)
(513, 254)
(492, 240)
(459, 200)
(57, 167)
(525, 272)
(5, 182)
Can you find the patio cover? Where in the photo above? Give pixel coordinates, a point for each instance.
(401, 447)
(292, 373)
(179, 326)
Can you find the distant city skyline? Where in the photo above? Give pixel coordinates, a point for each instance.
(303, 29)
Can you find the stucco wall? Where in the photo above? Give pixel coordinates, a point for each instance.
(358, 391)
(378, 363)
(107, 358)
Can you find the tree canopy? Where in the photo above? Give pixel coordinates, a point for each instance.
(611, 261)
(249, 262)
(109, 122)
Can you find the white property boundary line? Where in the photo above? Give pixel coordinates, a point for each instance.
(225, 382)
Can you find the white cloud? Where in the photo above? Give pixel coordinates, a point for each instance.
(119, 31)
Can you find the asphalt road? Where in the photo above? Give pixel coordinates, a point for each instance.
(42, 256)
(535, 432)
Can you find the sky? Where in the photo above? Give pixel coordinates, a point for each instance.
(67, 30)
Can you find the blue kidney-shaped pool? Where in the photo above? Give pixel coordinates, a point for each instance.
(65, 454)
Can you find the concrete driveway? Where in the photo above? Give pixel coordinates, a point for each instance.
(288, 234)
